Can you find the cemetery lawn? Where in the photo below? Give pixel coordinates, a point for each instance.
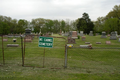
(100, 63)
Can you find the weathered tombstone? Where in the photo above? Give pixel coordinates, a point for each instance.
(60, 32)
(10, 35)
(12, 45)
(47, 35)
(98, 42)
(5, 39)
(113, 36)
(14, 40)
(108, 35)
(103, 35)
(91, 33)
(78, 33)
(97, 34)
(119, 40)
(70, 33)
(108, 42)
(28, 38)
(16, 35)
(52, 33)
(74, 34)
(71, 40)
(116, 33)
(5, 35)
(83, 38)
(81, 33)
(69, 45)
(87, 42)
(66, 34)
(27, 31)
(86, 46)
(32, 36)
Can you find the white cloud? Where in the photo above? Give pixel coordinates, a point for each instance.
(56, 9)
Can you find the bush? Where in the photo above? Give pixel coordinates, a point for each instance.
(78, 37)
(41, 34)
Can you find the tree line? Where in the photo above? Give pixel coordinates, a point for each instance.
(109, 23)
(14, 26)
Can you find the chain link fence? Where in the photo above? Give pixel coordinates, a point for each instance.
(1, 60)
(93, 60)
(10, 50)
(36, 56)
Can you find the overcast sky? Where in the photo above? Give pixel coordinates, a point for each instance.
(55, 9)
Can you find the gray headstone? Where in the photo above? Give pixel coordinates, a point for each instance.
(27, 31)
(119, 40)
(66, 34)
(91, 33)
(103, 35)
(81, 33)
(116, 33)
(70, 34)
(113, 36)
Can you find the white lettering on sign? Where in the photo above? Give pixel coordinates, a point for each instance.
(49, 44)
(42, 44)
(48, 40)
(40, 39)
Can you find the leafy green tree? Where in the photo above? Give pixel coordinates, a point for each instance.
(62, 25)
(13, 27)
(38, 24)
(89, 23)
(22, 25)
(49, 26)
(81, 25)
(115, 13)
(112, 24)
(99, 24)
(85, 24)
(4, 28)
(56, 26)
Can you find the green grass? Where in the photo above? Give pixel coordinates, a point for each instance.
(83, 64)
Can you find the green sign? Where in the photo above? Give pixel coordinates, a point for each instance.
(45, 42)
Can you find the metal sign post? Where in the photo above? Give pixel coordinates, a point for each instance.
(45, 42)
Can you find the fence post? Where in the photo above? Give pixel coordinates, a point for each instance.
(65, 56)
(22, 50)
(44, 57)
(3, 51)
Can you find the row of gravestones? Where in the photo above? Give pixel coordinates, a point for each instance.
(73, 36)
(75, 33)
(113, 35)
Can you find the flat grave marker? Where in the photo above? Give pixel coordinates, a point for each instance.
(108, 42)
(5, 39)
(12, 45)
(87, 42)
(98, 42)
